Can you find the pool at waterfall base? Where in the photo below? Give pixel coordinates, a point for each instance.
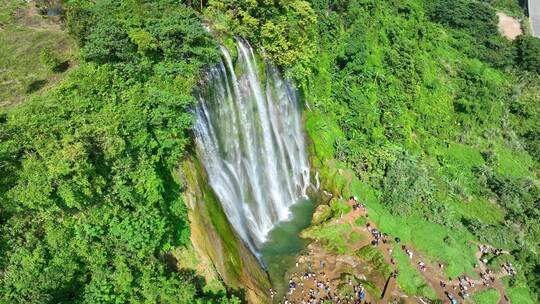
(284, 244)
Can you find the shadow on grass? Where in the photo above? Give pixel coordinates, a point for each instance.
(62, 67)
(35, 85)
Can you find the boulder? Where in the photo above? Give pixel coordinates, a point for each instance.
(321, 214)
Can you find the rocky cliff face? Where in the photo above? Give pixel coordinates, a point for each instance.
(215, 240)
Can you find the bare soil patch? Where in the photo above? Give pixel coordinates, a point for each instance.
(509, 26)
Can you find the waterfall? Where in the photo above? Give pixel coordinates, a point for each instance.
(250, 140)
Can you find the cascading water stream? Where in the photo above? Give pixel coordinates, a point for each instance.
(250, 140)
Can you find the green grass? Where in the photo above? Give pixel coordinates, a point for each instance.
(360, 221)
(355, 237)
(518, 294)
(477, 209)
(455, 247)
(458, 163)
(8, 9)
(21, 42)
(332, 236)
(463, 156)
(486, 297)
(375, 257)
(513, 164)
(339, 208)
(434, 240)
(431, 239)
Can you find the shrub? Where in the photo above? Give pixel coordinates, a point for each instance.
(528, 49)
(407, 186)
(49, 60)
(108, 41)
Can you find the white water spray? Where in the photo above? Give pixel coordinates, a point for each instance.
(250, 140)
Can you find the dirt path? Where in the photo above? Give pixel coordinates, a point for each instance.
(391, 286)
(433, 274)
(386, 248)
(497, 284)
(324, 278)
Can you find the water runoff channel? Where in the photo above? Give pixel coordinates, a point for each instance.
(250, 139)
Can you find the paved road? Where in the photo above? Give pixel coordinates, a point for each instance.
(534, 15)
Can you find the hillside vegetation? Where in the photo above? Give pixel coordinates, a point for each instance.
(432, 113)
(90, 208)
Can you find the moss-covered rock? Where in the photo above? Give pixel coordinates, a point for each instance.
(321, 214)
(215, 240)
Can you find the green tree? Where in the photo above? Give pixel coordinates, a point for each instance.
(529, 53)
(89, 206)
(108, 41)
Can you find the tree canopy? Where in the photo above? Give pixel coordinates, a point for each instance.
(91, 208)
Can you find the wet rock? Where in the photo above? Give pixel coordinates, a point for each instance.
(348, 260)
(321, 214)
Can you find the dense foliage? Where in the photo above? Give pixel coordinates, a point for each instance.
(434, 110)
(284, 29)
(436, 115)
(529, 53)
(475, 23)
(90, 207)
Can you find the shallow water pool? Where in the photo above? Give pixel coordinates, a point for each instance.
(284, 244)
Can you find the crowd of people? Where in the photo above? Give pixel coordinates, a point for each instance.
(487, 277)
(509, 268)
(356, 205)
(464, 284)
(316, 288)
(484, 249)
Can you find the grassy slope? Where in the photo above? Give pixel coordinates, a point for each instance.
(429, 122)
(486, 297)
(23, 35)
(454, 247)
